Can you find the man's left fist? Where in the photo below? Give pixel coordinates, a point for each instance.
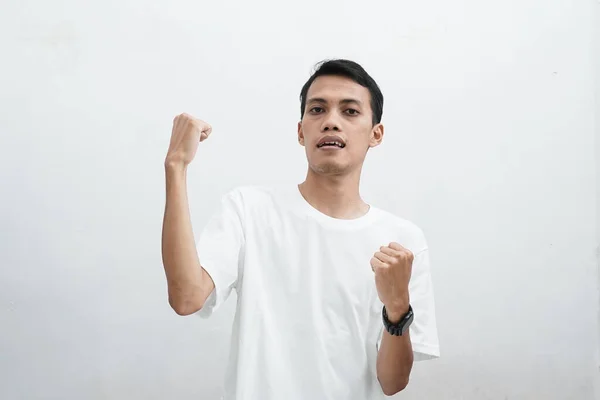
(392, 266)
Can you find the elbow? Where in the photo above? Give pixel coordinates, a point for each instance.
(184, 307)
(396, 387)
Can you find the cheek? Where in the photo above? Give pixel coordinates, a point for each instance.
(361, 144)
(306, 131)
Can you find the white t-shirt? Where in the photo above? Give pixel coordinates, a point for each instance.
(308, 320)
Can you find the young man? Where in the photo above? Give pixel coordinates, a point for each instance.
(327, 285)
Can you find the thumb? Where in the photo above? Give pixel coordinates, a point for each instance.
(206, 131)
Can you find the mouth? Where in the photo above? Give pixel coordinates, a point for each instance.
(331, 142)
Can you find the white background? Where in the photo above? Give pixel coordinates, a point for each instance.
(490, 147)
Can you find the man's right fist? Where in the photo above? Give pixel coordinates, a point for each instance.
(187, 133)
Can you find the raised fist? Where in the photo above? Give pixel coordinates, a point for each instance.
(392, 266)
(187, 133)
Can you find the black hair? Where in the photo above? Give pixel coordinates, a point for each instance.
(351, 70)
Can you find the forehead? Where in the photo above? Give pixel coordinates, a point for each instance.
(335, 88)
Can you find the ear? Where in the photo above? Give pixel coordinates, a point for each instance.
(300, 134)
(376, 135)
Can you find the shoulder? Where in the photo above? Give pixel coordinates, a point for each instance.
(253, 197)
(251, 194)
(400, 222)
(406, 232)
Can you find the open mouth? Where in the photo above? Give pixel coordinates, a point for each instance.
(331, 141)
(335, 144)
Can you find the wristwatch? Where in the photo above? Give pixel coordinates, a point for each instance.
(401, 326)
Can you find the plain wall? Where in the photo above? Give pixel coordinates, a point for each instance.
(596, 52)
(490, 147)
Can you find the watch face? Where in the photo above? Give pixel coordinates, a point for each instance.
(407, 321)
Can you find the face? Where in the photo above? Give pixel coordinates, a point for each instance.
(337, 126)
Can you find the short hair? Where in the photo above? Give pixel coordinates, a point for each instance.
(351, 70)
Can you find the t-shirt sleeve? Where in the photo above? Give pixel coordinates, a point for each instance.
(423, 330)
(220, 250)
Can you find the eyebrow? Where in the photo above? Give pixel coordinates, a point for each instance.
(343, 101)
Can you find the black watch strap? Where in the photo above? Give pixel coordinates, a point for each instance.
(399, 328)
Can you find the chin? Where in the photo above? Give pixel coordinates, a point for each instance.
(329, 169)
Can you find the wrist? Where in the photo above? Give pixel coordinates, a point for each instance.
(398, 326)
(397, 311)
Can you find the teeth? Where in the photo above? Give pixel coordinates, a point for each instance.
(338, 144)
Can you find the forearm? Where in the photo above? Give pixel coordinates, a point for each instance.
(187, 282)
(394, 360)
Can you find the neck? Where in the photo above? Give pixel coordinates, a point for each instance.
(335, 196)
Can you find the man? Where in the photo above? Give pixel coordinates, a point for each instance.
(327, 285)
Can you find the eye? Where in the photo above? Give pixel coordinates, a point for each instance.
(352, 111)
(316, 109)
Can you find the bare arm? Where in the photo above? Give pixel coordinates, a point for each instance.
(189, 284)
(392, 266)
(394, 360)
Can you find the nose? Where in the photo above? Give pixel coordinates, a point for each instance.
(331, 124)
